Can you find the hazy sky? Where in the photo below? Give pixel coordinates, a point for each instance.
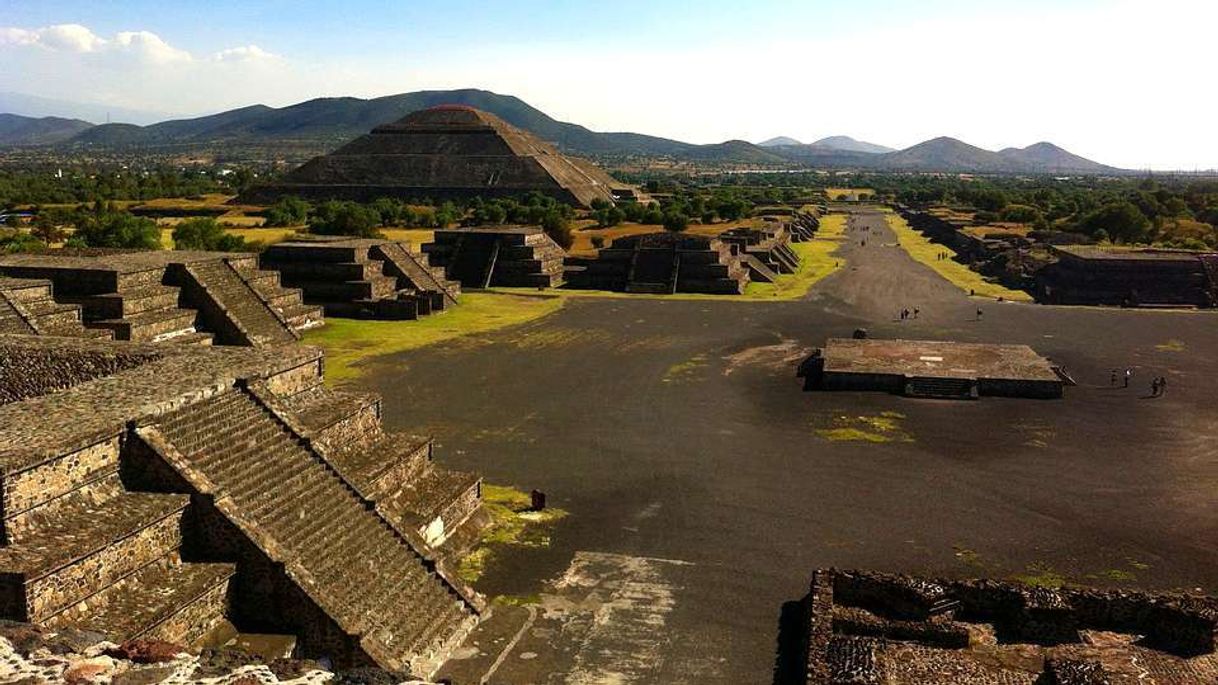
(1124, 82)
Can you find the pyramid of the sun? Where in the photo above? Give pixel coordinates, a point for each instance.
(446, 152)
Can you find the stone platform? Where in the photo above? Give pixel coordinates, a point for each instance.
(505, 256)
(862, 627)
(665, 263)
(923, 368)
(374, 278)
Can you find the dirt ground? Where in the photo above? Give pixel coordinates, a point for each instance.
(677, 436)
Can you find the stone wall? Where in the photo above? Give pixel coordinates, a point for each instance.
(26, 372)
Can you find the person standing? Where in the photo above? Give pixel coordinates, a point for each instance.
(1162, 385)
(1114, 377)
(1128, 376)
(1154, 387)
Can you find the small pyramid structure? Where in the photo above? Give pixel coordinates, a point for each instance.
(445, 152)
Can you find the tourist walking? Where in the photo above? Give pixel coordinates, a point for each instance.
(1154, 387)
(1128, 376)
(979, 313)
(916, 312)
(1162, 385)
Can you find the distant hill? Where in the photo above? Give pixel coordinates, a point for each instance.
(16, 130)
(780, 141)
(848, 144)
(35, 106)
(1051, 158)
(323, 124)
(952, 154)
(328, 122)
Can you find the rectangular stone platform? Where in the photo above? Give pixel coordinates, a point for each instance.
(935, 369)
(859, 628)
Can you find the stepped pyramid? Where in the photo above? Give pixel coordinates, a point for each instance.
(172, 296)
(446, 152)
(183, 492)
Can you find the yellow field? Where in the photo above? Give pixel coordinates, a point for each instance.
(351, 342)
(922, 249)
(266, 236)
(839, 193)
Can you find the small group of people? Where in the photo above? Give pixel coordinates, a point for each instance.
(1158, 386)
(943, 256)
(907, 313)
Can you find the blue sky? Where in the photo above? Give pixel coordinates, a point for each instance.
(993, 73)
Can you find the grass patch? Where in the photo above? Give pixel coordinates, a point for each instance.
(512, 524)
(1172, 345)
(840, 193)
(350, 343)
(685, 370)
(923, 250)
(873, 429)
(1041, 575)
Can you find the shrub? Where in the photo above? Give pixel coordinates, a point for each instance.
(675, 222)
(288, 211)
(345, 218)
(205, 234)
(105, 227)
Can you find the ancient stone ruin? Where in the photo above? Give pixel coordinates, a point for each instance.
(1087, 274)
(665, 263)
(766, 251)
(925, 368)
(863, 627)
(446, 152)
(362, 277)
(505, 256)
(179, 296)
(182, 493)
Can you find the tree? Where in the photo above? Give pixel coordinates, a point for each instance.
(675, 222)
(105, 227)
(345, 218)
(556, 226)
(204, 233)
(288, 211)
(1122, 221)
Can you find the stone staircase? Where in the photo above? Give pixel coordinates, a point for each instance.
(413, 271)
(270, 483)
(287, 302)
(229, 306)
(943, 388)
(395, 471)
(28, 307)
(95, 556)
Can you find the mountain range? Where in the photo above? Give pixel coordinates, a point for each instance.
(325, 123)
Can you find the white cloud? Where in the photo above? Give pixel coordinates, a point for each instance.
(245, 53)
(148, 46)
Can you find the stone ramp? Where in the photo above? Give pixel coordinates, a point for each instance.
(231, 307)
(409, 267)
(381, 591)
(758, 271)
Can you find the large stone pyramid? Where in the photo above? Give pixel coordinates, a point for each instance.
(445, 152)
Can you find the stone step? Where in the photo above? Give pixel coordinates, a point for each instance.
(171, 601)
(82, 546)
(128, 302)
(150, 325)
